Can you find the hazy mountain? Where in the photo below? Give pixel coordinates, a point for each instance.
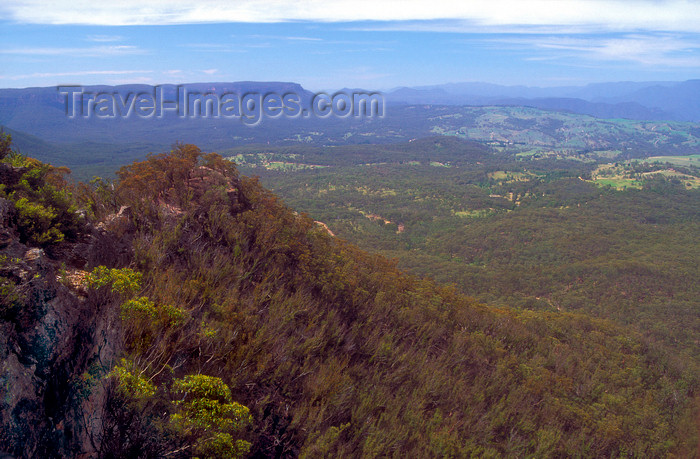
(629, 110)
(43, 111)
(681, 99)
(656, 100)
(599, 92)
(93, 145)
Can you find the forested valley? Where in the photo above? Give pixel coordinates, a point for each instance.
(213, 320)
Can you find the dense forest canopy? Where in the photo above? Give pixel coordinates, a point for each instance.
(537, 234)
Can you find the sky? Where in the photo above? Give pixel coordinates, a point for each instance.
(329, 44)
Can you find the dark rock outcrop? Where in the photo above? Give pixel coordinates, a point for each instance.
(10, 175)
(56, 343)
(59, 339)
(203, 179)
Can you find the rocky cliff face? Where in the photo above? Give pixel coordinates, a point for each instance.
(56, 341)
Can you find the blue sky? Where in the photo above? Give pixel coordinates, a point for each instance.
(332, 44)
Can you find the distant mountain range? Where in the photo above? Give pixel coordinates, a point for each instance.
(42, 111)
(559, 118)
(654, 100)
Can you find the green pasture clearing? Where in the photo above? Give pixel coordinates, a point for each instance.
(477, 213)
(690, 160)
(618, 183)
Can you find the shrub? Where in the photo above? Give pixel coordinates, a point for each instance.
(46, 213)
(138, 308)
(130, 382)
(123, 281)
(207, 412)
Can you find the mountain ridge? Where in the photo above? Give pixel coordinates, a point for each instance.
(333, 351)
(652, 100)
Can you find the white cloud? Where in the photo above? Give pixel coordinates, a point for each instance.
(210, 71)
(93, 51)
(74, 74)
(215, 47)
(282, 37)
(104, 38)
(301, 38)
(667, 50)
(620, 15)
(130, 80)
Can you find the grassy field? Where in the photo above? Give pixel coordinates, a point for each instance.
(627, 174)
(477, 213)
(619, 183)
(534, 134)
(688, 181)
(510, 176)
(690, 160)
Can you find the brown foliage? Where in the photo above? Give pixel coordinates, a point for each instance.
(338, 353)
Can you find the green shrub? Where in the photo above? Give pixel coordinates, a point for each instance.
(123, 281)
(37, 223)
(138, 308)
(130, 381)
(207, 412)
(46, 213)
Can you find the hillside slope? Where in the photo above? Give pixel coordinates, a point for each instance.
(245, 329)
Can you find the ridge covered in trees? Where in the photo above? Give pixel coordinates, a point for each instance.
(244, 328)
(537, 234)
